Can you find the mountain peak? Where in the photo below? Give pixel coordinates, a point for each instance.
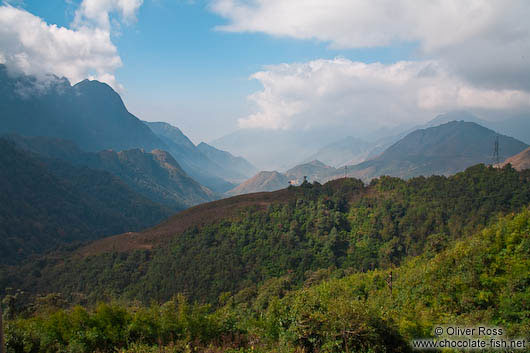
(441, 150)
(263, 181)
(457, 115)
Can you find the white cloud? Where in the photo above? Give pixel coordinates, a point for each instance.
(341, 92)
(471, 54)
(97, 12)
(486, 42)
(30, 45)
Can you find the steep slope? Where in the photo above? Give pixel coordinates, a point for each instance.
(263, 181)
(90, 113)
(479, 280)
(192, 160)
(46, 203)
(441, 150)
(520, 161)
(155, 175)
(349, 150)
(236, 169)
(314, 171)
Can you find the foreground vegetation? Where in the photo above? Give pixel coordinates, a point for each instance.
(482, 278)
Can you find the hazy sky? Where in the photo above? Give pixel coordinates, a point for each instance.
(212, 66)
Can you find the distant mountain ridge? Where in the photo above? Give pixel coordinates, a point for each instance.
(349, 150)
(93, 115)
(271, 149)
(314, 170)
(155, 175)
(192, 160)
(236, 169)
(273, 181)
(441, 150)
(352, 150)
(263, 181)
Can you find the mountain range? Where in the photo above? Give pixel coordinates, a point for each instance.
(155, 175)
(192, 160)
(439, 150)
(313, 171)
(235, 169)
(275, 149)
(352, 150)
(93, 116)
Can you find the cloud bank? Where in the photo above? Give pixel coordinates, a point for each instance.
(470, 54)
(340, 91)
(30, 45)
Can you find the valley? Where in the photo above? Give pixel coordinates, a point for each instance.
(249, 176)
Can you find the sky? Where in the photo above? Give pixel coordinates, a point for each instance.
(211, 67)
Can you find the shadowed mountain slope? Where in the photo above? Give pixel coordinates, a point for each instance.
(90, 113)
(46, 203)
(192, 160)
(155, 175)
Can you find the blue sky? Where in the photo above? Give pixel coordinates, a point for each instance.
(213, 66)
(177, 67)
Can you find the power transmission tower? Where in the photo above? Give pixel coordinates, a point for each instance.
(496, 150)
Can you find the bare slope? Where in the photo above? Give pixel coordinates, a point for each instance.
(263, 181)
(520, 161)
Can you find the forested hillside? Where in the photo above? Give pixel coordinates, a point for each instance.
(46, 203)
(342, 224)
(155, 175)
(480, 279)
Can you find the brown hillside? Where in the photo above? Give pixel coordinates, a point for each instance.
(200, 215)
(520, 161)
(263, 181)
